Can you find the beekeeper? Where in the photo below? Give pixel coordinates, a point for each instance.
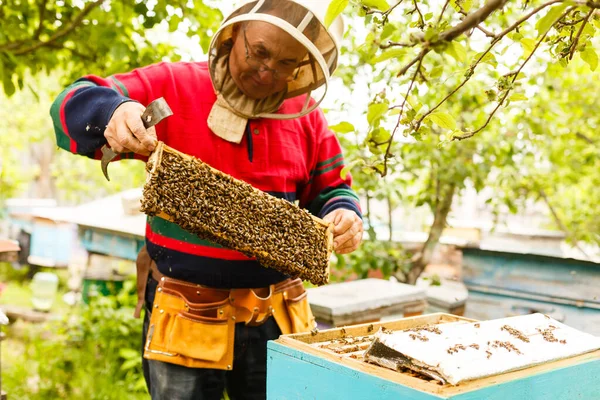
(249, 112)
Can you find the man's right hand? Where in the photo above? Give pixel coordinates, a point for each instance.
(126, 133)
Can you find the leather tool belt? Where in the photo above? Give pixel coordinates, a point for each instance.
(194, 325)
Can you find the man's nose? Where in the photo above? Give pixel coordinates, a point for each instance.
(266, 76)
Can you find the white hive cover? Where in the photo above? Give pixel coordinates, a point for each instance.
(362, 295)
(460, 352)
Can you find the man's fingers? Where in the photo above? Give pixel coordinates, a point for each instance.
(350, 245)
(354, 240)
(140, 139)
(113, 141)
(146, 137)
(340, 240)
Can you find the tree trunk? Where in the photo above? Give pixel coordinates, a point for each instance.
(390, 223)
(442, 209)
(43, 154)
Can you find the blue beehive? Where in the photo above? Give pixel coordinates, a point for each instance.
(309, 366)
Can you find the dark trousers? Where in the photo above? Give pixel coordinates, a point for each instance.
(247, 379)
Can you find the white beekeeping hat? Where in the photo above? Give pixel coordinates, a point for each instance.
(304, 21)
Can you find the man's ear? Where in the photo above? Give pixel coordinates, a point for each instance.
(235, 31)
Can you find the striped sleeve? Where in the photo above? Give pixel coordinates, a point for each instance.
(326, 190)
(81, 112)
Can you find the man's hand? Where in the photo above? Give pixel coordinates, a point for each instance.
(126, 133)
(347, 231)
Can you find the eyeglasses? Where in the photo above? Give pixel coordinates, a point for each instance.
(257, 63)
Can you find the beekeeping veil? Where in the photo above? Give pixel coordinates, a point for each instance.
(301, 19)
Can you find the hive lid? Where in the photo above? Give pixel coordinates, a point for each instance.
(457, 353)
(362, 295)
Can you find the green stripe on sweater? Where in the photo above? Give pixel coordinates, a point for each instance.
(329, 160)
(172, 230)
(319, 201)
(62, 139)
(120, 85)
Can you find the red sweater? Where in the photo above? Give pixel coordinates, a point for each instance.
(299, 160)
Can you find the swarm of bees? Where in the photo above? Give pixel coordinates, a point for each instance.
(219, 208)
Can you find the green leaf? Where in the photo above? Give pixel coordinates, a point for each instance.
(518, 97)
(550, 18)
(489, 58)
(336, 7)
(467, 5)
(174, 23)
(344, 171)
(590, 57)
(436, 72)
(380, 135)
(528, 46)
(342, 127)
(129, 364)
(457, 51)
(128, 353)
(387, 31)
(390, 53)
(381, 5)
(9, 86)
(376, 111)
(443, 120)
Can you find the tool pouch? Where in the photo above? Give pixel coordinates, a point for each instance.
(194, 326)
(189, 328)
(291, 308)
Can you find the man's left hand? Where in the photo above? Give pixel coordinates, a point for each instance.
(347, 231)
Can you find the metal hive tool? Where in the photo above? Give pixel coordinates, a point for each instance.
(232, 213)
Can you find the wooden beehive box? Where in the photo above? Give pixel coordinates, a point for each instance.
(329, 365)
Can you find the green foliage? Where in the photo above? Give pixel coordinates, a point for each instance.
(92, 354)
(513, 83)
(387, 257)
(29, 154)
(335, 8)
(101, 37)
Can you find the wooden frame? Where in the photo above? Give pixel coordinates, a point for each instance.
(296, 269)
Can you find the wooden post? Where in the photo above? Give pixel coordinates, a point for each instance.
(2, 393)
(8, 252)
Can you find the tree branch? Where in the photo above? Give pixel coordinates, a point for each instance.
(385, 14)
(583, 137)
(391, 140)
(574, 43)
(496, 39)
(396, 44)
(560, 224)
(443, 11)
(537, 45)
(472, 20)
(469, 22)
(421, 19)
(42, 11)
(63, 32)
(73, 51)
(481, 28)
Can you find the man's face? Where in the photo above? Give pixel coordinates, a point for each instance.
(263, 59)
